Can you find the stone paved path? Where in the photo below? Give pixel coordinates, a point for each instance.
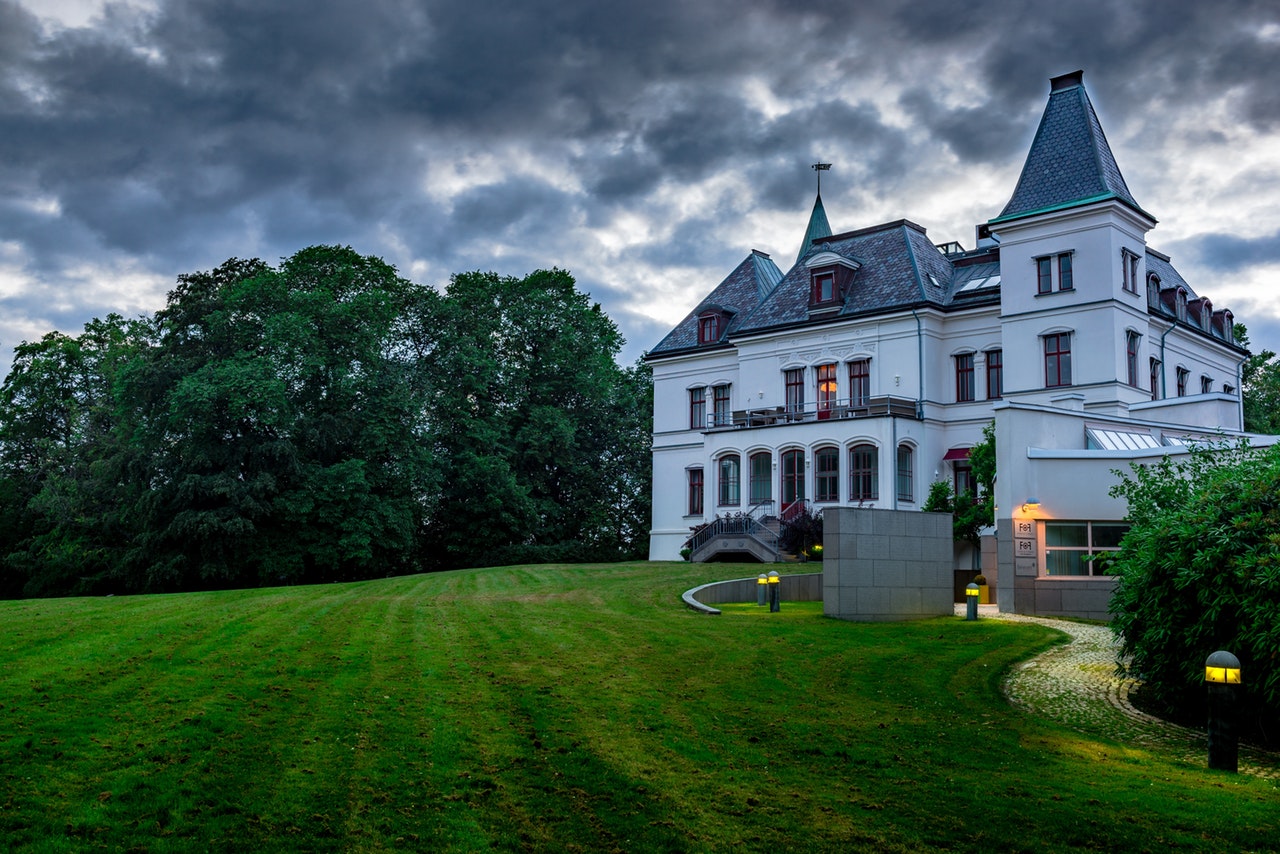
(1076, 684)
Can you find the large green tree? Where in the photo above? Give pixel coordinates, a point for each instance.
(541, 436)
(282, 415)
(1260, 388)
(1199, 571)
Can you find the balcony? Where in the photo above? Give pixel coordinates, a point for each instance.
(775, 416)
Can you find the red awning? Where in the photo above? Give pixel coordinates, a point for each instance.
(956, 454)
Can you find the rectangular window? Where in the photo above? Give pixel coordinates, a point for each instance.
(824, 288)
(964, 482)
(859, 382)
(864, 478)
(964, 378)
(695, 492)
(1155, 379)
(828, 389)
(1057, 360)
(1131, 342)
(1044, 275)
(720, 403)
(794, 382)
(730, 481)
(995, 374)
(1183, 373)
(697, 409)
(827, 481)
(1133, 272)
(1064, 273)
(1206, 385)
(906, 474)
(1068, 545)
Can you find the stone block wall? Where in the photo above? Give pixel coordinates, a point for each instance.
(881, 565)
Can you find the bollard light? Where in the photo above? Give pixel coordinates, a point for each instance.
(1222, 675)
(971, 592)
(775, 597)
(762, 588)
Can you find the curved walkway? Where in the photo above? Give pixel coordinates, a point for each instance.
(1076, 684)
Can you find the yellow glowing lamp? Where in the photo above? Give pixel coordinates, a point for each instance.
(773, 577)
(971, 590)
(1222, 668)
(760, 579)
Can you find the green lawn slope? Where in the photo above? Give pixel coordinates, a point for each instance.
(558, 708)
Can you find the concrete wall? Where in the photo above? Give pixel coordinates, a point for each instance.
(793, 588)
(883, 565)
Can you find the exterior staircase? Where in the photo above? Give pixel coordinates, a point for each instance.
(743, 536)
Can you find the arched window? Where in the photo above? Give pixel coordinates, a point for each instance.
(695, 491)
(730, 480)
(826, 464)
(864, 475)
(709, 327)
(792, 478)
(906, 473)
(761, 477)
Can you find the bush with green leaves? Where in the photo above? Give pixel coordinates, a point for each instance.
(1199, 571)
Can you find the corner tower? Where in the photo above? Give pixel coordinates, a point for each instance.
(1072, 255)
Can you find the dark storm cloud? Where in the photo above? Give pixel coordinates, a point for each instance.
(1229, 253)
(172, 139)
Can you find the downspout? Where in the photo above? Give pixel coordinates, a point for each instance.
(893, 460)
(1163, 366)
(1240, 389)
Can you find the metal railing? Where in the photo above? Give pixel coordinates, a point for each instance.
(769, 416)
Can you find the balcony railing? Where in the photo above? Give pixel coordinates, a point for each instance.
(771, 416)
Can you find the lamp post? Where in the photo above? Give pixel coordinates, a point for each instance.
(775, 598)
(1222, 675)
(762, 588)
(971, 592)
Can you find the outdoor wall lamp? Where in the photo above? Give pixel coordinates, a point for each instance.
(1031, 505)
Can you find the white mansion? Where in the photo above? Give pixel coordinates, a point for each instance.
(869, 369)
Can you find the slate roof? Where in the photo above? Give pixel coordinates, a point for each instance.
(742, 290)
(1070, 162)
(898, 267)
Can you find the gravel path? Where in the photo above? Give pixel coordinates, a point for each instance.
(1076, 684)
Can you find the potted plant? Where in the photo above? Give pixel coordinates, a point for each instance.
(984, 592)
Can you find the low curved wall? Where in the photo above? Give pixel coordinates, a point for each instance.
(793, 588)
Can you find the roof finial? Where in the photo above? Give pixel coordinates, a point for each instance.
(820, 168)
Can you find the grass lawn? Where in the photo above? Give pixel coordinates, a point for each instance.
(559, 708)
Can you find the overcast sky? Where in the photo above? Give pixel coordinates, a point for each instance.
(646, 147)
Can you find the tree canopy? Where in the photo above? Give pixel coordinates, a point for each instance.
(321, 420)
(1199, 571)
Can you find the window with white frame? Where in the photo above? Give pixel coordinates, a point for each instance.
(859, 382)
(1057, 359)
(906, 473)
(965, 384)
(721, 414)
(761, 477)
(695, 491)
(697, 409)
(1131, 342)
(1070, 548)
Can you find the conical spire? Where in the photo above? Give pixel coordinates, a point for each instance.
(1070, 162)
(818, 227)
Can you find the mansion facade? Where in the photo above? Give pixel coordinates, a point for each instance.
(869, 369)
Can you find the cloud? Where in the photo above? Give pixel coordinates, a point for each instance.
(645, 147)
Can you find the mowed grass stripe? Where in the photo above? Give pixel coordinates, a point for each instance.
(558, 708)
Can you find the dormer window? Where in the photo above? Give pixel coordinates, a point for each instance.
(830, 277)
(709, 328)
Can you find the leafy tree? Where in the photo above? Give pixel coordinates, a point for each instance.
(1260, 388)
(282, 414)
(542, 438)
(1199, 571)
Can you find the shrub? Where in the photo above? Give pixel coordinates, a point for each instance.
(1199, 571)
